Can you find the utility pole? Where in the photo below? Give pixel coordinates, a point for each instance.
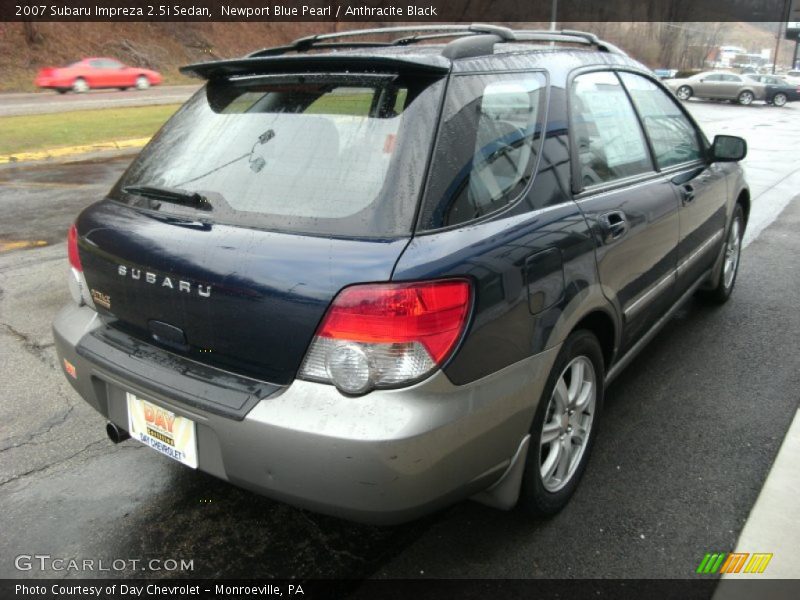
(553, 15)
(777, 47)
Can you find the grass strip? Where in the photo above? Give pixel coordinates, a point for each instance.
(27, 133)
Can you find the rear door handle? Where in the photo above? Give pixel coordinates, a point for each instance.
(614, 225)
(687, 194)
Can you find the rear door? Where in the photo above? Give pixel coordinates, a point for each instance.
(632, 210)
(731, 85)
(679, 151)
(115, 73)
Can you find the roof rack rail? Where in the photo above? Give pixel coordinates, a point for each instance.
(563, 34)
(499, 33)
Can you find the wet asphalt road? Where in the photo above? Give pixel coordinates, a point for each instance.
(687, 438)
(48, 101)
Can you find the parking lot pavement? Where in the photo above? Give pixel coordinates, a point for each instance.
(689, 432)
(772, 165)
(51, 102)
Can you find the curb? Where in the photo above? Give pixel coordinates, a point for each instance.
(72, 150)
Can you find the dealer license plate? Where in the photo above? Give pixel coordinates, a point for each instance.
(162, 430)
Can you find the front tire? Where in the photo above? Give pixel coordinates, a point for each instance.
(723, 286)
(779, 99)
(684, 93)
(562, 434)
(745, 98)
(142, 82)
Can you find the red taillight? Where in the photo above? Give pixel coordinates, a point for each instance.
(432, 313)
(388, 334)
(72, 249)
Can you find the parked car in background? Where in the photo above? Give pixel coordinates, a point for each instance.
(793, 76)
(778, 91)
(95, 73)
(718, 85)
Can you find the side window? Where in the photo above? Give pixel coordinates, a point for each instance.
(605, 131)
(732, 78)
(488, 143)
(713, 78)
(674, 138)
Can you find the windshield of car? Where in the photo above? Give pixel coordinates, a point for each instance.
(331, 154)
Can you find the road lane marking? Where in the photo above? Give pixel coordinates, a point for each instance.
(72, 150)
(44, 184)
(19, 245)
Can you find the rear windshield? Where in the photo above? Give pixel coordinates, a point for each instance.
(332, 154)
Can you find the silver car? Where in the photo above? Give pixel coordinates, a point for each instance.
(718, 85)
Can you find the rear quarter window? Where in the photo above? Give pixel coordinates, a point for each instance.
(487, 148)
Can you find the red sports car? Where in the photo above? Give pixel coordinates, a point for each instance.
(93, 73)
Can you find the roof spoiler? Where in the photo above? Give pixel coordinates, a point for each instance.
(281, 64)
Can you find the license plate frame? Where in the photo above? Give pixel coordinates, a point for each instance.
(162, 430)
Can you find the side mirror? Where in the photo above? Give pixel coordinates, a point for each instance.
(728, 148)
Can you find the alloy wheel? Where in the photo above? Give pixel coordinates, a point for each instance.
(732, 250)
(568, 423)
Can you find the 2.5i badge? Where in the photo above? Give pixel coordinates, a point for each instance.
(102, 299)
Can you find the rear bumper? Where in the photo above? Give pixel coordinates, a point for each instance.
(387, 457)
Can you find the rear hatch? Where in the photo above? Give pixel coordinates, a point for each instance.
(228, 237)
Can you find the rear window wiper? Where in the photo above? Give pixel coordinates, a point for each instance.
(175, 196)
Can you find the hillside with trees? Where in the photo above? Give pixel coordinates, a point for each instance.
(25, 47)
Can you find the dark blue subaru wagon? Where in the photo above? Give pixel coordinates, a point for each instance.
(373, 278)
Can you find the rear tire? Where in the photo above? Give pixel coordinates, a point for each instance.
(563, 430)
(745, 98)
(779, 99)
(723, 286)
(684, 93)
(79, 86)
